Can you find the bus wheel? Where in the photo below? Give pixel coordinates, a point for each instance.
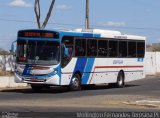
(120, 80)
(36, 87)
(75, 83)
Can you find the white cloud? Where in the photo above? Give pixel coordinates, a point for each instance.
(114, 24)
(62, 7)
(19, 3)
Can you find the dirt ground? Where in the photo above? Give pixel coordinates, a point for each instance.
(6, 73)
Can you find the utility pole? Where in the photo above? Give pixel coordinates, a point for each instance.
(87, 15)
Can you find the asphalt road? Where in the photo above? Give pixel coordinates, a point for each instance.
(99, 98)
(149, 86)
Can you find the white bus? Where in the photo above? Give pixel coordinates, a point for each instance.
(47, 58)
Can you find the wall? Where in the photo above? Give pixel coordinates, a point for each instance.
(9, 82)
(152, 63)
(157, 62)
(6, 62)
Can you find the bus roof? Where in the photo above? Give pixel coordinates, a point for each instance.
(93, 33)
(111, 34)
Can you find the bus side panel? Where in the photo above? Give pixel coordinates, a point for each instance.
(103, 70)
(136, 71)
(88, 72)
(101, 73)
(106, 70)
(67, 72)
(95, 73)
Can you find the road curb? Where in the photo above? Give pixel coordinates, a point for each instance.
(14, 88)
(145, 103)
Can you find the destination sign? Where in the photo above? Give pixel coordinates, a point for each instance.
(38, 34)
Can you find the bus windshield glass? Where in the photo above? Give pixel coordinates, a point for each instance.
(38, 52)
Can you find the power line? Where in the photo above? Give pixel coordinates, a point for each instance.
(13, 20)
(80, 25)
(29, 21)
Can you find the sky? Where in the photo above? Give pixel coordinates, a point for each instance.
(135, 17)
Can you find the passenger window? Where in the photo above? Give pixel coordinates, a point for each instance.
(102, 48)
(91, 47)
(113, 48)
(122, 49)
(140, 49)
(66, 50)
(131, 49)
(80, 47)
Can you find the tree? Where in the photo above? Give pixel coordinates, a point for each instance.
(37, 10)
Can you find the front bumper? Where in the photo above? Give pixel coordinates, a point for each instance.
(53, 80)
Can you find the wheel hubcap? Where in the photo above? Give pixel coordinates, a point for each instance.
(75, 82)
(120, 81)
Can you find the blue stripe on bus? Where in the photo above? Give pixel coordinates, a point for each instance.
(88, 35)
(80, 66)
(88, 69)
(26, 69)
(91, 35)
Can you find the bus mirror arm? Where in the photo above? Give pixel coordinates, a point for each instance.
(12, 51)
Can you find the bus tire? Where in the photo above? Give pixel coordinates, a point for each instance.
(36, 87)
(75, 83)
(120, 80)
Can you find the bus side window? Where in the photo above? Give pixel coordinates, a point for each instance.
(122, 49)
(113, 48)
(91, 47)
(140, 49)
(80, 47)
(102, 48)
(66, 50)
(132, 49)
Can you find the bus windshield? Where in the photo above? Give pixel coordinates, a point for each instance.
(38, 52)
